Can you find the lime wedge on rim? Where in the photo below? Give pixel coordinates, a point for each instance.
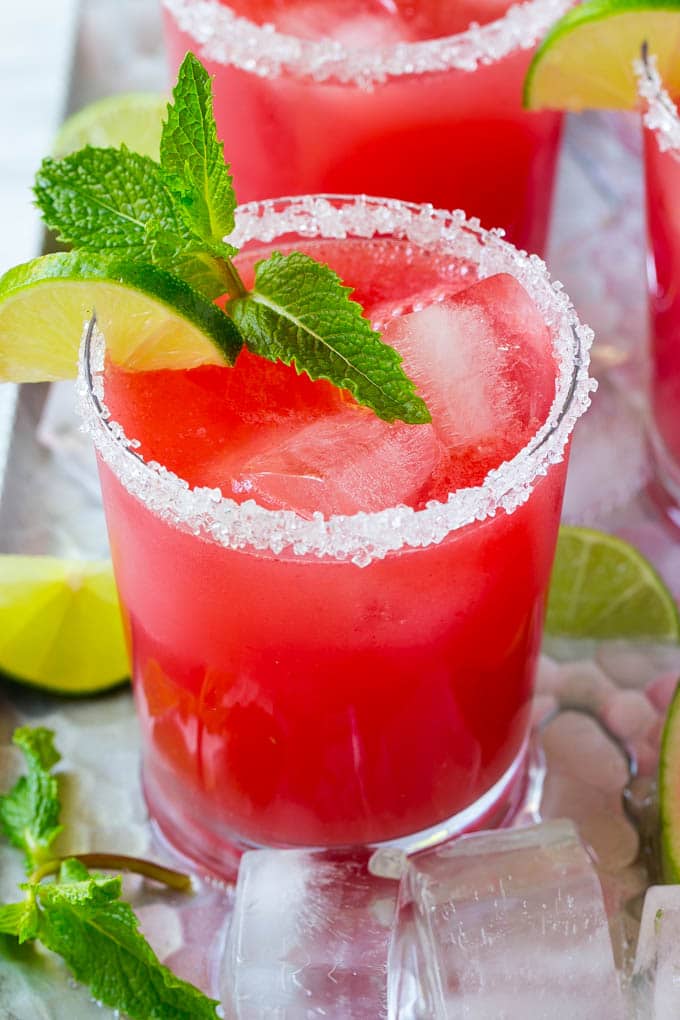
(150, 319)
(134, 119)
(587, 58)
(60, 624)
(669, 792)
(603, 588)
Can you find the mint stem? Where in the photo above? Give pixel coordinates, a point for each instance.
(118, 862)
(235, 285)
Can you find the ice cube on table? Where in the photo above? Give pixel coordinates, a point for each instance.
(512, 926)
(309, 937)
(482, 360)
(655, 984)
(341, 465)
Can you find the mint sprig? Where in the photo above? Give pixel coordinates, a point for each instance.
(104, 200)
(29, 813)
(21, 919)
(116, 202)
(192, 157)
(175, 214)
(300, 313)
(81, 915)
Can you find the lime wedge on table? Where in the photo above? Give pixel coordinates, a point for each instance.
(669, 792)
(150, 319)
(133, 119)
(603, 588)
(586, 60)
(60, 624)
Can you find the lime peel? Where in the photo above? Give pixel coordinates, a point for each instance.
(669, 792)
(586, 60)
(151, 319)
(603, 588)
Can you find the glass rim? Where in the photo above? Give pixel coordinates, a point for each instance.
(223, 37)
(364, 536)
(659, 112)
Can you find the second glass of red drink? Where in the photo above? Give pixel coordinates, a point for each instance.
(414, 100)
(662, 172)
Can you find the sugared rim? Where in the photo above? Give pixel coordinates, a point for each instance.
(221, 36)
(360, 537)
(660, 113)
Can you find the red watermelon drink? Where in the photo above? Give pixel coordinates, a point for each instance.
(385, 97)
(662, 171)
(333, 620)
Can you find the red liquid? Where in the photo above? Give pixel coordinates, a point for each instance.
(456, 139)
(663, 224)
(296, 700)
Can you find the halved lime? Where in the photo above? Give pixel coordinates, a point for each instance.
(602, 587)
(586, 60)
(149, 318)
(60, 624)
(669, 792)
(134, 119)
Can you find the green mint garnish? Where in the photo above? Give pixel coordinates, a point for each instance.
(81, 915)
(21, 919)
(116, 202)
(105, 200)
(192, 157)
(175, 214)
(300, 313)
(83, 919)
(29, 813)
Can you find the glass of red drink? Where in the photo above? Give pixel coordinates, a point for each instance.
(415, 100)
(334, 621)
(662, 174)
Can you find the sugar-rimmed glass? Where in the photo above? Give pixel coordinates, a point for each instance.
(662, 182)
(360, 679)
(436, 120)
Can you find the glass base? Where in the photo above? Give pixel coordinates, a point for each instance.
(513, 800)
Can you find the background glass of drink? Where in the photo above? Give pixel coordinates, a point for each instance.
(359, 677)
(662, 173)
(405, 99)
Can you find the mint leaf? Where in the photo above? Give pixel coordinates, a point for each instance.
(104, 199)
(20, 919)
(84, 921)
(116, 202)
(192, 157)
(29, 813)
(300, 313)
(203, 266)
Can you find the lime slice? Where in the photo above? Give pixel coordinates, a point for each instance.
(150, 319)
(60, 624)
(134, 119)
(602, 587)
(586, 60)
(669, 792)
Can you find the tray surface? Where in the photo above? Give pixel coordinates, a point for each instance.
(54, 57)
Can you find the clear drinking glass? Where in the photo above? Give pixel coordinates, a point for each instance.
(353, 679)
(426, 107)
(662, 173)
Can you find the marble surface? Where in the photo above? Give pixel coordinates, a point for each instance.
(597, 718)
